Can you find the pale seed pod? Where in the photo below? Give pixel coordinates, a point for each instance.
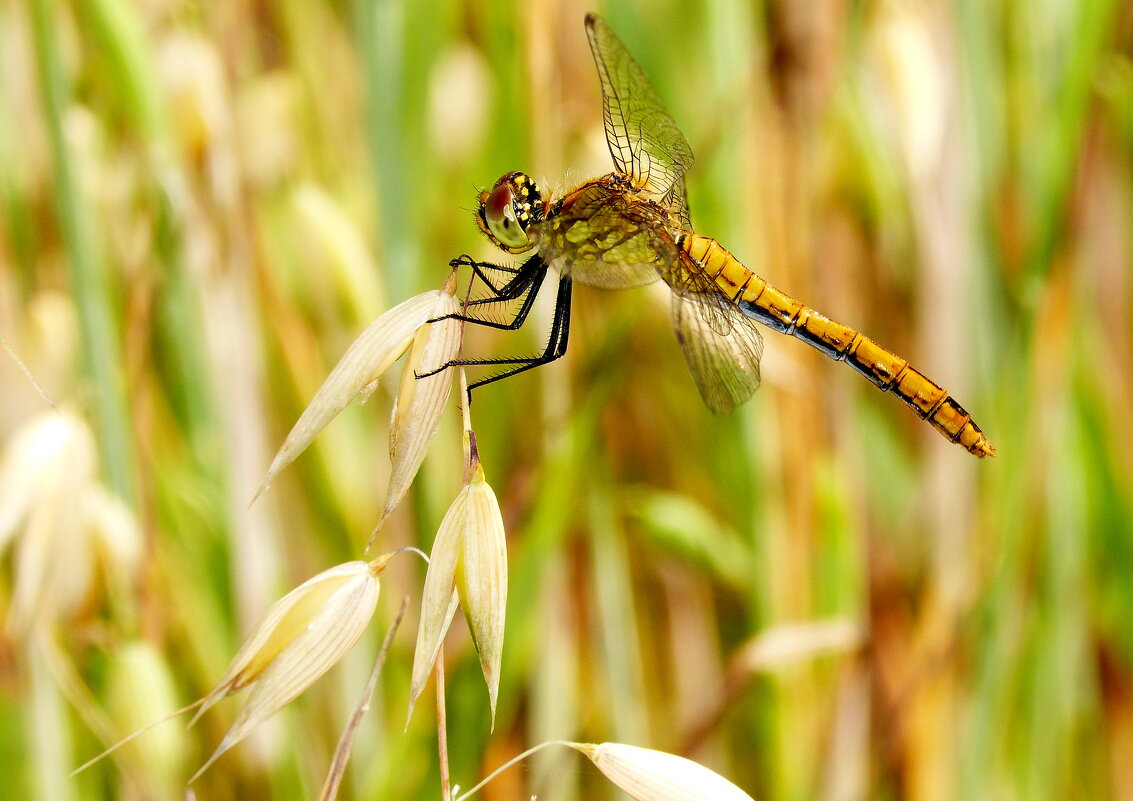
(335, 248)
(70, 537)
(649, 775)
(420, 402)
(469, 563)
(438, 597)
(304, 634)
(140, 689)
(357, 373)
(482, 579)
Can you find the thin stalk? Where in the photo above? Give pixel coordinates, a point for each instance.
(511, 762)
(442, 727)
(465, 411)
(346, 741)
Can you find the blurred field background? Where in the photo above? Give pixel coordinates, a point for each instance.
(816, 596)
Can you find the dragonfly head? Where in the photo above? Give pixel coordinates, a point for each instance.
(507, 209)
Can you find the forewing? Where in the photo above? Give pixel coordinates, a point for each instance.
(601, 238)
(724, 364)
(645, 142)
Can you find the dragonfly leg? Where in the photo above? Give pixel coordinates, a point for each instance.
(533, 273)
(556, 345)
(556, 342)
(525, 284)
(527, 279)
(480, 268)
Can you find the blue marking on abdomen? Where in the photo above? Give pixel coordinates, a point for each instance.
(819, 344)
(758, 313)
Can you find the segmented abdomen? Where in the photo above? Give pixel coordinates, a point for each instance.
(886, 370)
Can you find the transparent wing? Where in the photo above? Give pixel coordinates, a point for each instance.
(724, 364)
(645, 142)
(602, 238)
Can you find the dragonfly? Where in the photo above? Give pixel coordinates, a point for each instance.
(631, 227)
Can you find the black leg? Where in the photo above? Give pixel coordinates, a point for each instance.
(528, 280)
(479, 268)
(556, 343)
(514, 286)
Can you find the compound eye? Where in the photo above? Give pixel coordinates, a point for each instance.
(499, 214)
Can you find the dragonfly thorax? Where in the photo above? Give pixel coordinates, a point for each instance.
(507, 209)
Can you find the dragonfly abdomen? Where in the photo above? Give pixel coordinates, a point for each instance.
(930, 401)
(886, 370)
